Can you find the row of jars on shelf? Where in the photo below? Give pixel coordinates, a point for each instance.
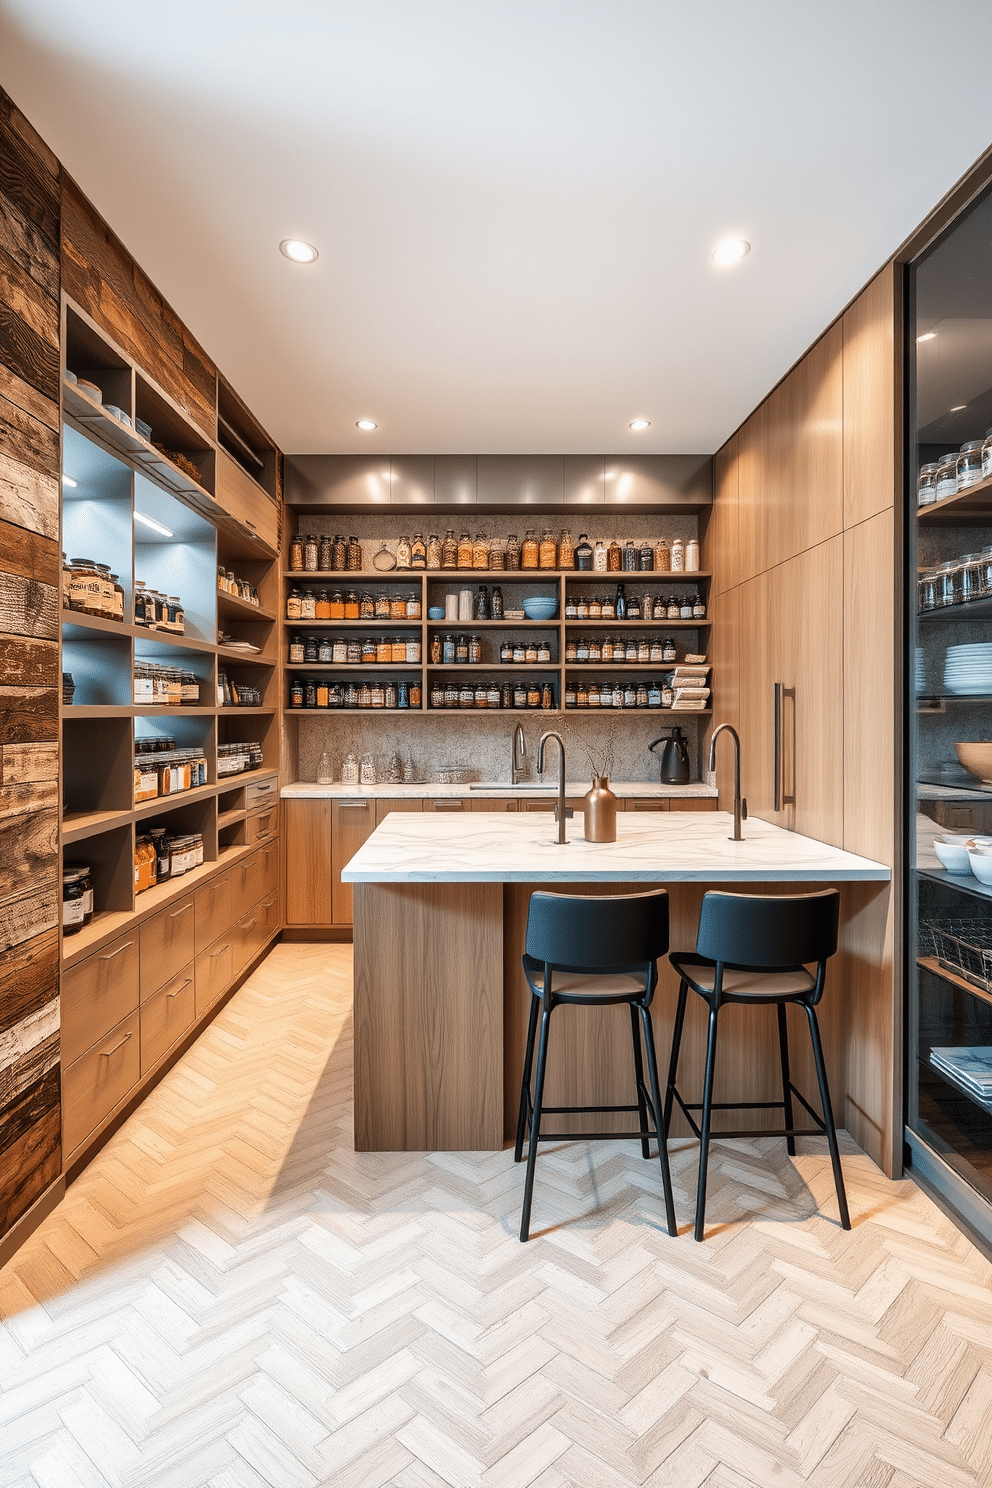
(322, 604)
(375, 693)
(957, 581)
(955, 471)
(337, 604)
(160, 855)
(635, 607)
(168, 774)
(227, 583)
(312, 554)
(352, 651)
(157, 686)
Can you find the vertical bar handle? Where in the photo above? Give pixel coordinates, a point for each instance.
(781, 799)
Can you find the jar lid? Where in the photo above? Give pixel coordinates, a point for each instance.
(952, 456)
(87, 562)
(971, 444)
(928, 469)
(74, 870)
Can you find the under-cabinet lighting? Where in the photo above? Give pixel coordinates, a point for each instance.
(366, 424)
(731, 251)
(67, 480)
(151, 522)
(927, 336)
(298, 251)
(638, 424)
(959, 408)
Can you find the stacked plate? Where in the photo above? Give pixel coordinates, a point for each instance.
(968, 670)
(921, 673)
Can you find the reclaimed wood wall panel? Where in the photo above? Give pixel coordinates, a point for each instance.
(102, 277)
(30, 459)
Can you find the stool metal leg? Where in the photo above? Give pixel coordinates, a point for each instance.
(666, 1172)
(828, 1115)
(783, 1048)
(704, 1143)
(535, 1126)
(642, 1110)
(518, 1150)
(673, 1062)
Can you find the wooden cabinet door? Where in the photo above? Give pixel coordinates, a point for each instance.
(646, 803)
(352, 823)
(246, 502)
(308, 862)
(97, 993)
(214, 972)
(165, 944)
(388, 804)
(98, 1081)
(165, 1017)
(212, 910)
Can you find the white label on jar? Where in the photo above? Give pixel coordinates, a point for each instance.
(143, 690)
(73, 911)
(88, 901)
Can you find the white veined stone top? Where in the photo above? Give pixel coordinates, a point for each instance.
(651, 847)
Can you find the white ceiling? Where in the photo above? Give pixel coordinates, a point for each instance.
(514, 200)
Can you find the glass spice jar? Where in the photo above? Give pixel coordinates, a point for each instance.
(323, 611)
(434, 551)
(466, 550)
(382, 605)
(530, 551)
(366, 606)
(495, 554)
(355, 559)
(614, 557)
(512, 555)
(308, 605)
(351, 606)
(418, 552)
(662, 556)
(449, 550)
(548, 551)
(325, 553)
(403, 553)
(480, 552)
(566, 550)
(295, 556)
(311, 553)
(340, 550)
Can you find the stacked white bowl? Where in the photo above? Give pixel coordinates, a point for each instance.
(968, 670)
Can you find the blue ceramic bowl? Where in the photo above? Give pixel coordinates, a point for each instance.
(540, 608)
(436, 612)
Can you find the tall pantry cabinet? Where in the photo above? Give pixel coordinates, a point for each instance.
(802, 547)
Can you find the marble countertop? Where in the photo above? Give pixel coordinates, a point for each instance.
(645, 789)
(656, 847)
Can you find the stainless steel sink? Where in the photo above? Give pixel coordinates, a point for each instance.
(548, 787)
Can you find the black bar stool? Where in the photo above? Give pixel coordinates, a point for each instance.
(597, 951)
(753, 948)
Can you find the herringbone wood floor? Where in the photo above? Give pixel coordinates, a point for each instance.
(231, 1296)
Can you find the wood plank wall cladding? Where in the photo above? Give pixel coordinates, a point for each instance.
(802, 548)
(30, 1108)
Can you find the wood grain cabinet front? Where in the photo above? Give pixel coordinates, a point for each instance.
(214, 971)
(352, 823)
(165, 1017)
(269, 858)
(247, 503)
(166, 943)
(262, 825)
(308, 862)
(268, 917)
(246, 939)
(247, 884)
(94, 1084)
(97, 993)
(213, 910)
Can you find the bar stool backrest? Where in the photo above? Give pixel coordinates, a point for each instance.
(587, 933)
(768, 931)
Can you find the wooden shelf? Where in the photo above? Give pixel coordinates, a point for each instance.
(356, 624)
(343, 712)
(243, 609)
(968, 508)
(99, 626)
(77, 825)
(931, 964)
(493, 575)
(246, 658)
(639, 624)
(135, 710)
(505, 668)
(354, 666)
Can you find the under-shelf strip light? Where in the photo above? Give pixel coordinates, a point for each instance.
(151, 522)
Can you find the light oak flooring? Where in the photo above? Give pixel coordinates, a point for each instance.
(230, 1296)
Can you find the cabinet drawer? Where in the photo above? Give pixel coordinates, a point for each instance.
(269, 861)
(165, 1017)
(386, 805)
(268, 916)
(214, 971)
(212, 910)
(246, 502)
(263, 825)
(97, 994)
(246, 884)
(166, 943)
(261, 793)
(99, 1081)
(646, 803)
(246, 938)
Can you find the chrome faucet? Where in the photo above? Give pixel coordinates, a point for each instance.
(561, 810)
(518, 751)
(740, 807)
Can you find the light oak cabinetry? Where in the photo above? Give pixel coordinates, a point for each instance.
(352, 823)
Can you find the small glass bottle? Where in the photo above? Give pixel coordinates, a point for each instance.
(295, 556)
(600, 557)
(325, 553)
(698, 607)
(662, 556)
(296, 650)
(340, 551)
(678, 555)
(530, 551)
(645, 557)
(566, 550)
(482, 603)
(403, 553)
(434, 551)
(294, 604)
(311, 553)
(495, 554)
(692, 555)
(355, 560)
(466, 550)
(308, 605)
(475, 650)
(583, 554)
(323, 606)
(614, 557)
(548, 551)
(418, 552)
(496, 604)
(480, 552)
(629, 557)
(449, 550)
(512, 552)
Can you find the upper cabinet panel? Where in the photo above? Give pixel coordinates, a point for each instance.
(721, 553)
(871, 389)
(456, 480)
(658, 480)
(337, 480)
(411, 480)
(521, 480)
(584, 480)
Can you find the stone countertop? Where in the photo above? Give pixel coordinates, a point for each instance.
(643, 789)
(656, 847)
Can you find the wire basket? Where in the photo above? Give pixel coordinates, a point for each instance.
(962, 946)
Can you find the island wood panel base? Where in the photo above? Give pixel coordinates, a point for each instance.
(439, 1048)
(428, 1017)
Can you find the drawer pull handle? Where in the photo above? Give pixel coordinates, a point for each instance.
(250, 925)
(260, 788)
(221, 951)
(175, 915)
(449, 806)
(111, 954)
(106, 1053)
(171, 995)
(269, 902)
(354, 805)
(249, 524)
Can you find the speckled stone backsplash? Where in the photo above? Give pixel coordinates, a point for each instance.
(484, 744)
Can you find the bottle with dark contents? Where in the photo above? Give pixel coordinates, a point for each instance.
(583, 554)
(325, 554)
(482, 603)
(496, 605)
(340, 554)
(512, 553)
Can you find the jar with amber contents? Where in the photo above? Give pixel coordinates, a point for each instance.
(397, 607)
(382, 605)
(382, 650)
(323, 608)
(434, 551)
(530, 552)
(566, 550)
(512, 555)
(366, 606)
(449, 550)
(466, 551)
(480, 552)
(351, 606)
(355, 560)
(145, 865)
(548, 551)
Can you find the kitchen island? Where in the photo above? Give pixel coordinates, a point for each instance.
(440, 1000)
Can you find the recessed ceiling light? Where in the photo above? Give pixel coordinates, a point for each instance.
(67, 480)
(731, 250)
(638, 424)
(297, 250)
(959, 407)
(366, 424)
(927, 336)
(151, 522)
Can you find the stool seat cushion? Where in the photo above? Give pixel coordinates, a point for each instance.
(755, 984)
(575, 984)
